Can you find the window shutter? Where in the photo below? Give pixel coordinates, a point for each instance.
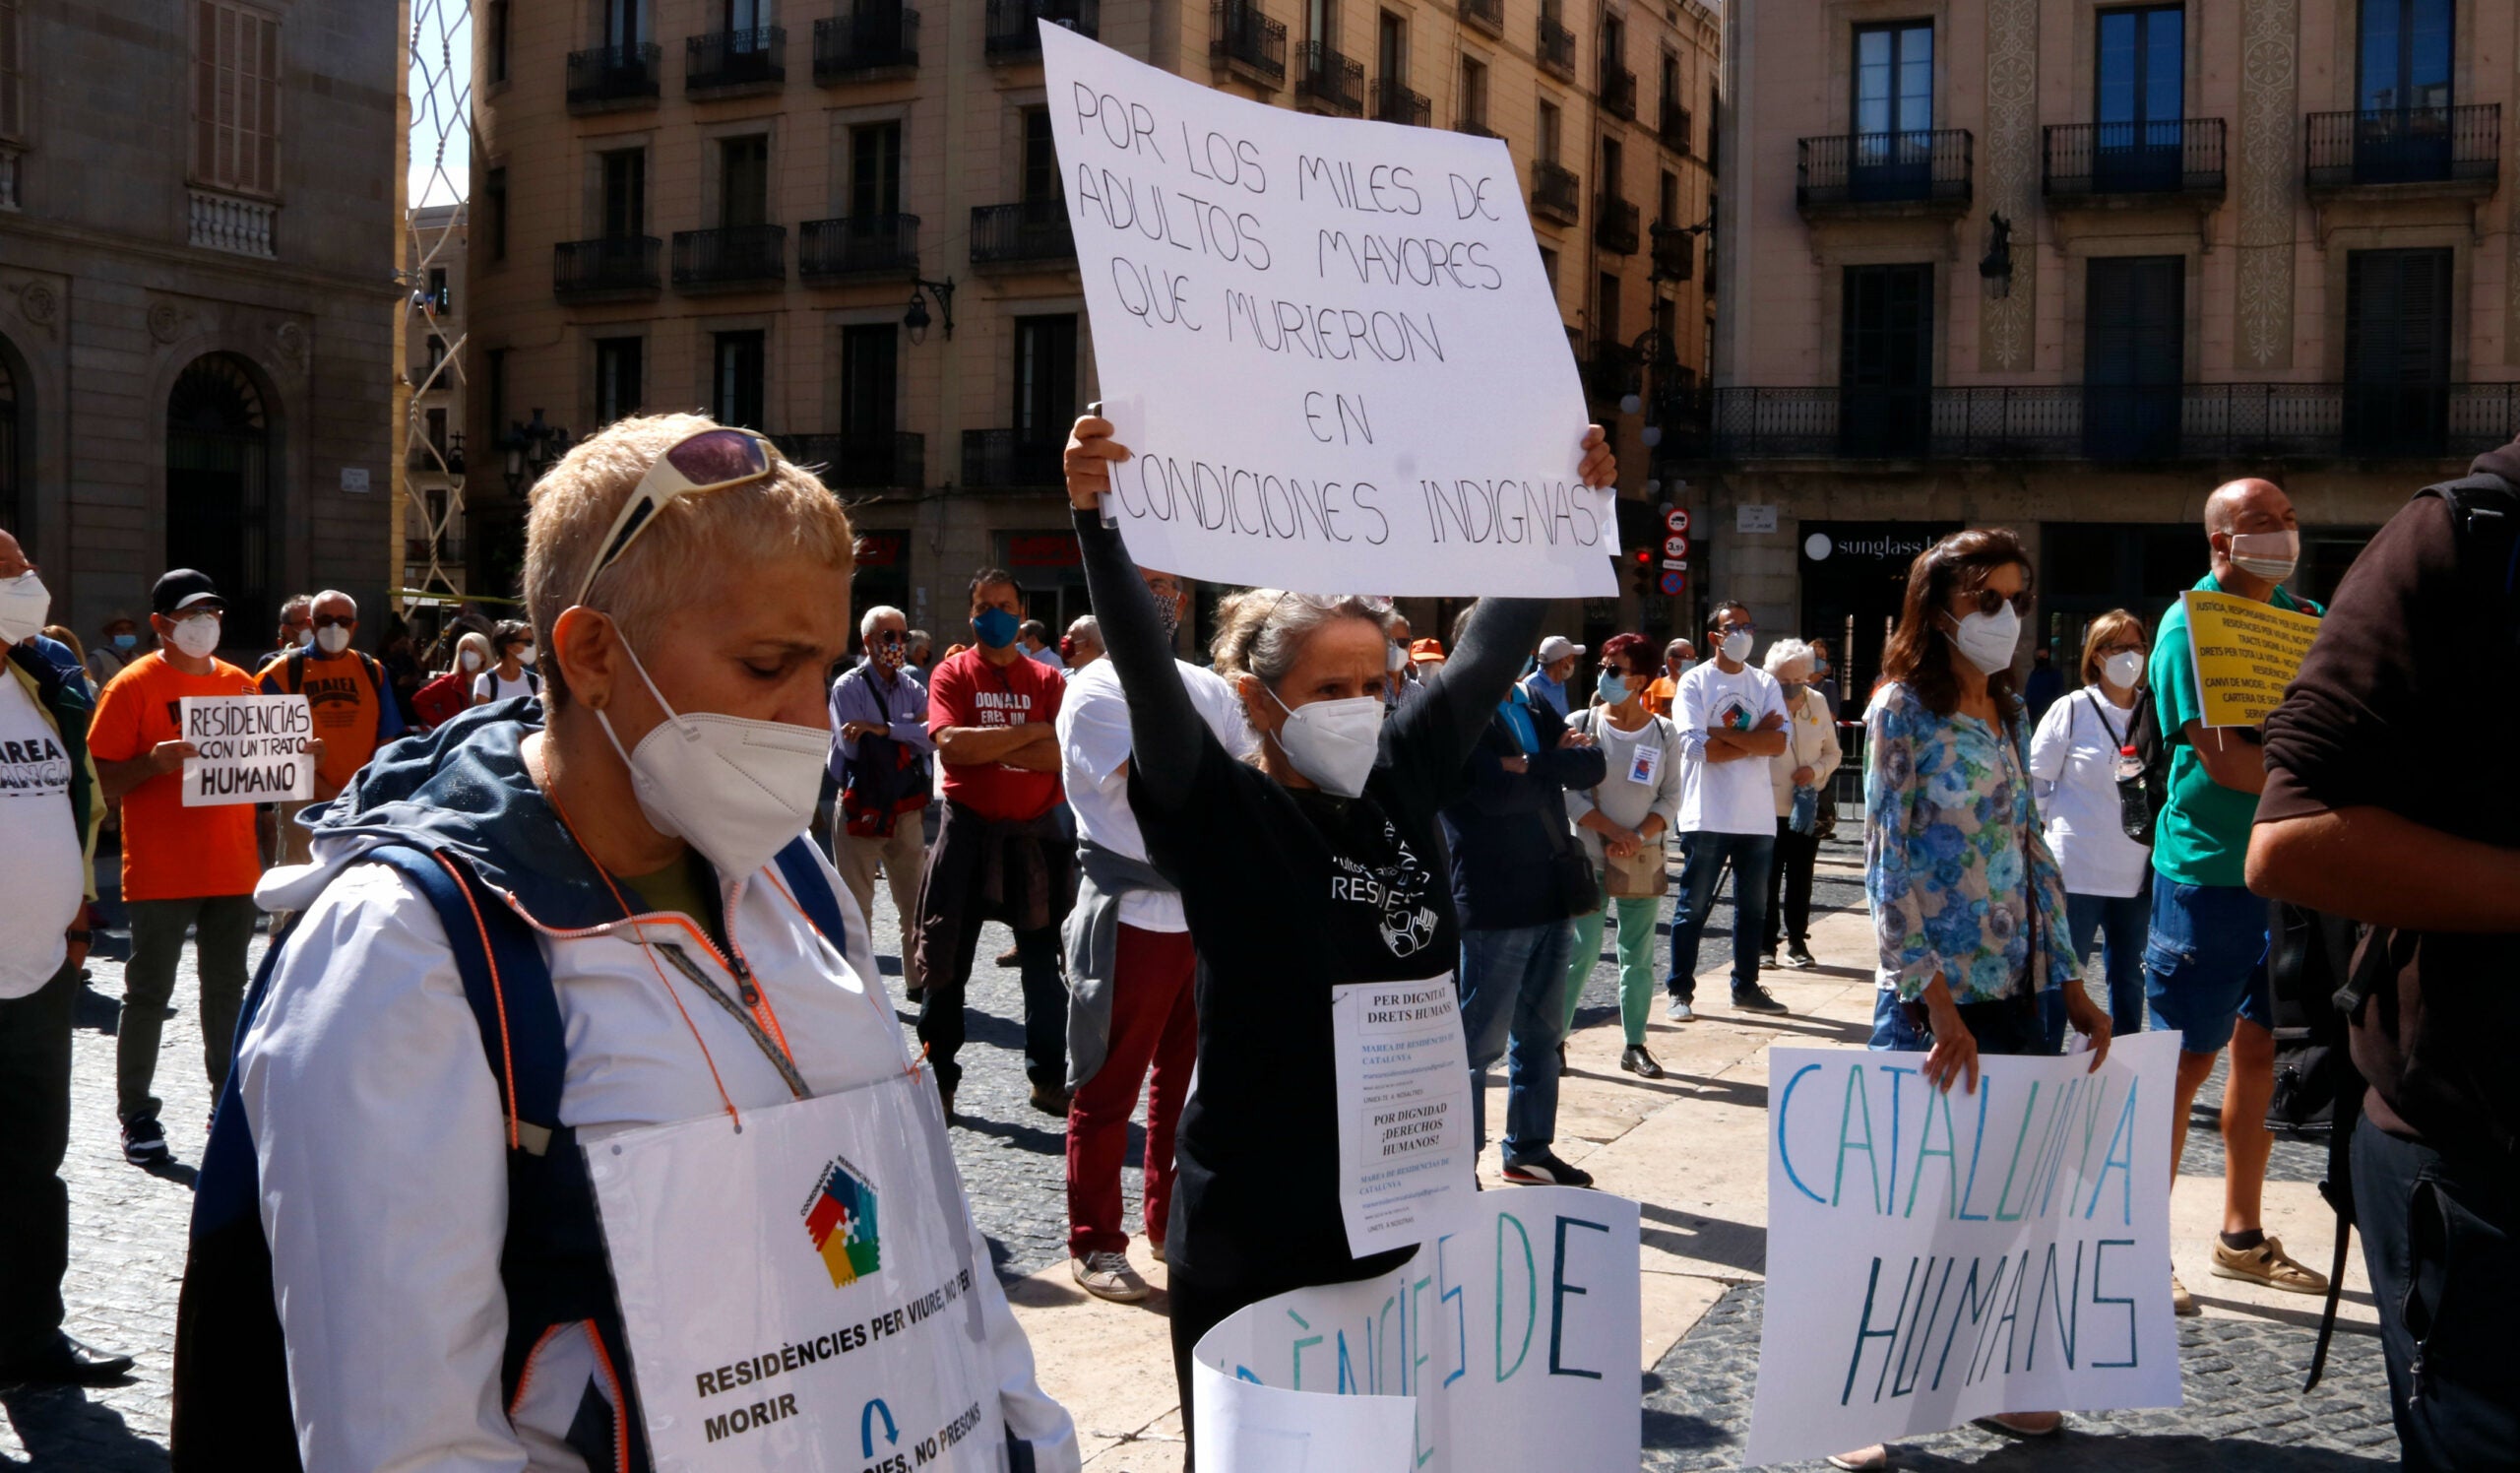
(12, 72)
(235, 98)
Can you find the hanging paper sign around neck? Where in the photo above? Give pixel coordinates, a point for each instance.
(253, 749)
(1332, 345)
(802, 1294)
(1405, 1142)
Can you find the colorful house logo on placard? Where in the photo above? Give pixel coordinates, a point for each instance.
(840, 1221)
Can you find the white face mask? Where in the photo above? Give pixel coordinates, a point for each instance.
(735, 789)
(468, 660)
(1333, 743)
(1987, 639)
(306, 638)
(525, 654)
(25, 604)
(1736, 646)
(2122, 669)
(333, 641)
(197, 635)
(1395, 658)
(2271, 555)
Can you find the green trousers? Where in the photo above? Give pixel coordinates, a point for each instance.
(1635, 961)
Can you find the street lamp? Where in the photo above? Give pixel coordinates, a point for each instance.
(917, 318)
(529, 450)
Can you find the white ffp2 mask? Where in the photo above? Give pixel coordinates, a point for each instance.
(1333, 743)
(25, 604)
(197, 635)
(2124, 668)
(1736, 646)
(331, 640)
(735, 789)
(1988, 639)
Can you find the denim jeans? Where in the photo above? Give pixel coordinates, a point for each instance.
(2001, 1027)
(1513, 1006)
(2205, 963)
(1751, 855)
(2123, 922)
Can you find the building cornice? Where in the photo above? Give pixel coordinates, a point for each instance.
(274, 272)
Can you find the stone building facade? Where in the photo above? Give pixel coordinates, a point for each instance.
(733, 206)
(2065, 266)
(197, 220)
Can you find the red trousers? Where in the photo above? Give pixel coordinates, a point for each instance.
(1154, 1020)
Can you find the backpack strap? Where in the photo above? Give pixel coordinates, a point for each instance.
(2485, 517)
(800, 868)
(296, 670)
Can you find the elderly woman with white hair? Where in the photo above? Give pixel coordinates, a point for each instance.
(610, 900)
(1797, 774)
(1314, 865)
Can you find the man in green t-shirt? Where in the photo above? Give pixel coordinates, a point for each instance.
(2205, 965)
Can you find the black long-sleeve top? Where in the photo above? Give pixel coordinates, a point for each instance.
(1289, 893)
(1508, 832)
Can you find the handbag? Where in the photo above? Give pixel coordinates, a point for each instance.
(1642, 875)
(880, 785)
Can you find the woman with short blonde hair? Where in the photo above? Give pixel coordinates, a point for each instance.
(2074, 773)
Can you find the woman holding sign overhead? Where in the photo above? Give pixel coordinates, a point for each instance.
(1312, 868)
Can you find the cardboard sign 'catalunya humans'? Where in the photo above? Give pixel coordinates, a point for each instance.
(1934, 1257)
(1331, 344)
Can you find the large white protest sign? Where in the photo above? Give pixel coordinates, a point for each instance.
(1936, 1257)
(1404, 1144)
(1508, 1341)
(253, 749)
(802, 1294)
(1331, 343)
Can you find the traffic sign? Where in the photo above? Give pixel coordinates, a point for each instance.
(1677, 520)
(1676, 564)
(1674, 583)
(1675, 546)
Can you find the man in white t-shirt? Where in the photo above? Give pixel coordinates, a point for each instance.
(1130, 964)
(1727, 711)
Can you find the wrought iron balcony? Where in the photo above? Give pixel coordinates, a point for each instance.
(1011, 459)
(1012, 35)
(1330, 79)
(1557, 193)
(604, 78)
(729, 63)
(2296, 421)
(1865, 170)
(1475, 126)
(2174, 156)
(1675, 253)
(2451, 146)
(895, 460)
(1618, 88)
(607, 267)
(1486, 15)
(857, 246)
(878, 37)
(1615, 225)
(1675, 131)
(1394, 103)
(1032, 232)
(731, 258)
(1555, 46)
(1247, 42)
(434, 458)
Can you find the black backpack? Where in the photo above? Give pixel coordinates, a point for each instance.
(2143, 789)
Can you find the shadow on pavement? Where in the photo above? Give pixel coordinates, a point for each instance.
(2072, 1452)
(63, 1429)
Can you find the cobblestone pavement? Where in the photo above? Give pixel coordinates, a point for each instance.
(2244, 1409)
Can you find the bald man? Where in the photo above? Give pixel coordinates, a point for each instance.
(2205, 967)
(352, 703)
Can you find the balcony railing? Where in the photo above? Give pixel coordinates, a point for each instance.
(1247, 42)
(2175, 156)
(1325, 77)
(1618, 88)
(857, 245)
(1007, 459)
(1615, 225)
(608, 266)
(233, 224)
(603, 78)
(896, 461)
(733, 61)
(1394, 103)
(2118, 422)
(2406, 146)
(1557, 193)
(878, 36)
(1032, 231)
(1675, 131)
(1555, 46)
(1475, 126)
(1674, 254)
(729, 258)
(1486, 15)
(1013, 36)
(1884, 169)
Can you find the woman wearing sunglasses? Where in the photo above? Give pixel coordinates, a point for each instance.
(642, 836)
(1968, 906)
(1313, 866)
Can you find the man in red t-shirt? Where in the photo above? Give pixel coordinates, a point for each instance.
(1001, 852)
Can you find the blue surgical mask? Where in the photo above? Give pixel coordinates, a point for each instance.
(1613, 689)
(1819, 667)
(126, 641)
(996, 628)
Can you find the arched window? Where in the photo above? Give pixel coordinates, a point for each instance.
(218, 488)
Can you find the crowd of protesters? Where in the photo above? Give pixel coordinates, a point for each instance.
(2054, 840)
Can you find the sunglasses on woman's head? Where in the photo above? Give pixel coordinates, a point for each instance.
(713, 460)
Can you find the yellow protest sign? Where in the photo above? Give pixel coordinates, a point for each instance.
(2246, 654)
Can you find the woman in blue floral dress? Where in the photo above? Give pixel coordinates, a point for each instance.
(1968, 904)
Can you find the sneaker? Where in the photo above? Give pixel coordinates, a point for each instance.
(1757, 999)
(144, 1140)
(1679, 1011)
(2181, 1303)
(1863, 1460)
(2266, 1265)
(1637, 1061)
(1108, 1275)
(1799, 957)
(1545, 1170)
(1050, 1100)
(1767, 960)
(1155, 1249)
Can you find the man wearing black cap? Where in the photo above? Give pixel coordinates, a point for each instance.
(183, 869)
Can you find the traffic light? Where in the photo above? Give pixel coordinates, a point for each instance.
(1641, 565)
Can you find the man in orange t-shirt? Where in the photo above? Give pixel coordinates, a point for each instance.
(182, 868)
(1678, 657)
(348, 697)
